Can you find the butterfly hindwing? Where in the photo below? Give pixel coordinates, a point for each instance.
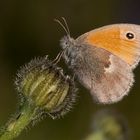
(106, 76)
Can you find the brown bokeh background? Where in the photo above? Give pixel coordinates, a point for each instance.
(27, 30)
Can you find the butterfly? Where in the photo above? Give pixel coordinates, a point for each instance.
(103, 59)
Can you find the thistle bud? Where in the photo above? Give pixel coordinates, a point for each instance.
(45, 86)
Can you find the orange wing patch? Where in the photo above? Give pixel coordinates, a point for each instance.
(111, 40)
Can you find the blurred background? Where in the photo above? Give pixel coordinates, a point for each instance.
(27, 30)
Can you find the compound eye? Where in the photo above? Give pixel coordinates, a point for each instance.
(130, 35)
(66, 43)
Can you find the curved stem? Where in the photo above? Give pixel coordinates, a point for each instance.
(15, 126)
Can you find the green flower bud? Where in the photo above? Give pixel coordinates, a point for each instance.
(109, 125)
(44, 85)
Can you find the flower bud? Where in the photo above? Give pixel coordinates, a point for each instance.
(45, 86)
(110, 125)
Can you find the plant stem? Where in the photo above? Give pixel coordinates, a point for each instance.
(15, 126)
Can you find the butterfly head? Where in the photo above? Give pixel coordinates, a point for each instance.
(67, 42)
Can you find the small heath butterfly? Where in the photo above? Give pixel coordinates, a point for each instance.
(104, 59)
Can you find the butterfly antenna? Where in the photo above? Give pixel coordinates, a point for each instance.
(64, 26)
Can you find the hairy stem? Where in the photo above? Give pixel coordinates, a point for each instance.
(18, 123)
